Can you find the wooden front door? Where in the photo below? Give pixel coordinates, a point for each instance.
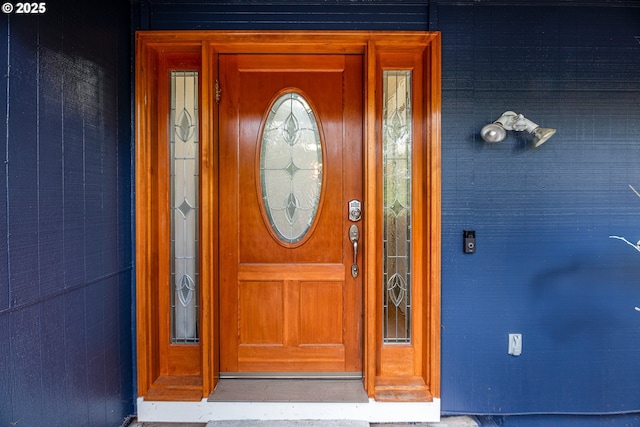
(290, 162)
(274, 293)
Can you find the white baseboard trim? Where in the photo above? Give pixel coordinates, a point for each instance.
(204, 411)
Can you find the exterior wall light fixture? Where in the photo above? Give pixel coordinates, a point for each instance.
(497, 131)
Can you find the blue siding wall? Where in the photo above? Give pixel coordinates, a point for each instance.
(545, 266)
(65, 216)
(284, 14)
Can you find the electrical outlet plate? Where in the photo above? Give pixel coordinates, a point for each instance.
(515, 344)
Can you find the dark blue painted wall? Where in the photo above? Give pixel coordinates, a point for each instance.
(65, 216)
(283, 14)
(545, 266)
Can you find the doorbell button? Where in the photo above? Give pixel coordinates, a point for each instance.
(469, 241)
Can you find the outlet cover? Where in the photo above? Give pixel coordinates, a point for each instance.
(515, 344)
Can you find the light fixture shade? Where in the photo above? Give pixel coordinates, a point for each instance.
(493, 132)
(541, 135)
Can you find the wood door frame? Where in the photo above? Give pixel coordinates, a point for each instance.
(391, 372)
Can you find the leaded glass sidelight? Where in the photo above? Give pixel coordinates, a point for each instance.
(291, 167)
(396, 164)
(184, 207)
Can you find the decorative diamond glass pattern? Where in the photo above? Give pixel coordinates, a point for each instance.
(291, 167)
(396, 163)
(184, 207)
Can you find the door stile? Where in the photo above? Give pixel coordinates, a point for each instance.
(354, 146)
(433, 228)
(144, 247)
(209, 230)
(372, 253)
(229, 191)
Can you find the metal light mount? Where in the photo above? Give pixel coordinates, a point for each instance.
(497, 131)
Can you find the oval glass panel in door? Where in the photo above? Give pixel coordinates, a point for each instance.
(291, 167)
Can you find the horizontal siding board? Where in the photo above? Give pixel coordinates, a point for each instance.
(397, 15)
(539, 3)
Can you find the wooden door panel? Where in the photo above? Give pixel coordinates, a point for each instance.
(321, 308)
(261, 308)
(289, 307)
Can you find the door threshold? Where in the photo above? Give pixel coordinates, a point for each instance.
(292, 375)
(204, 411)
(299, 389)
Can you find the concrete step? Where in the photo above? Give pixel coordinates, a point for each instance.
(285, 423)
(458, 421)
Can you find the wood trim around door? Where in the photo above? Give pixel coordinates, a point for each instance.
(408, 372)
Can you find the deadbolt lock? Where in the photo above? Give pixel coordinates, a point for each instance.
(355, 210)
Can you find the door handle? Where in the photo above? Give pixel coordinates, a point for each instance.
(354, 235)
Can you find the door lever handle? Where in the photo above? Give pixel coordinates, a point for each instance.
(354, 235)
